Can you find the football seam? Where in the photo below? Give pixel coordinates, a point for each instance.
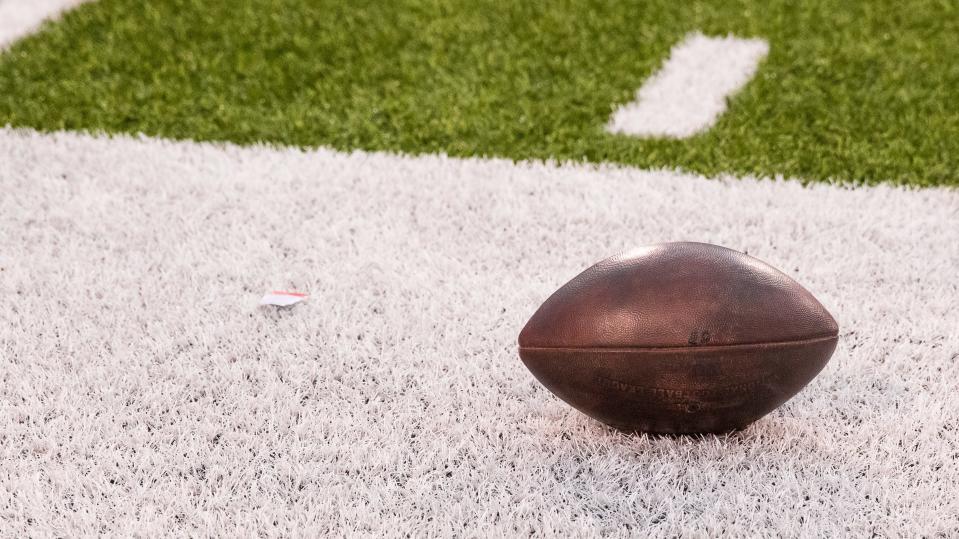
(686, 348)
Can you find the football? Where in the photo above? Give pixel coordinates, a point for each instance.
(678, 338)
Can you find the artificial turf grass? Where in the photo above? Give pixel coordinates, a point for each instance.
(858, 92)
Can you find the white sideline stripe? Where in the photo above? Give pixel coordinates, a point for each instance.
(428, 267)
(21, 17)
(689, 93)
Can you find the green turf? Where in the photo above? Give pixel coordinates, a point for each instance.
(859, 91)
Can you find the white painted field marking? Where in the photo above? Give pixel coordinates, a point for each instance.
(20, 17)
(427, 268)
(689, 93)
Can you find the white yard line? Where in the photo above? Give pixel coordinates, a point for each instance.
(689, 93)
(19, 18)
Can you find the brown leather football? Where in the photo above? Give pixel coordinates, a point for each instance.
(678, 338)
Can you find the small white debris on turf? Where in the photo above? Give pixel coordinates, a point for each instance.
(282, 298)
(401, 407)
(689, 93)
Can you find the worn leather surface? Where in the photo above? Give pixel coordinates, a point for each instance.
(677, 391)
(677, 294)
(678, 338)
